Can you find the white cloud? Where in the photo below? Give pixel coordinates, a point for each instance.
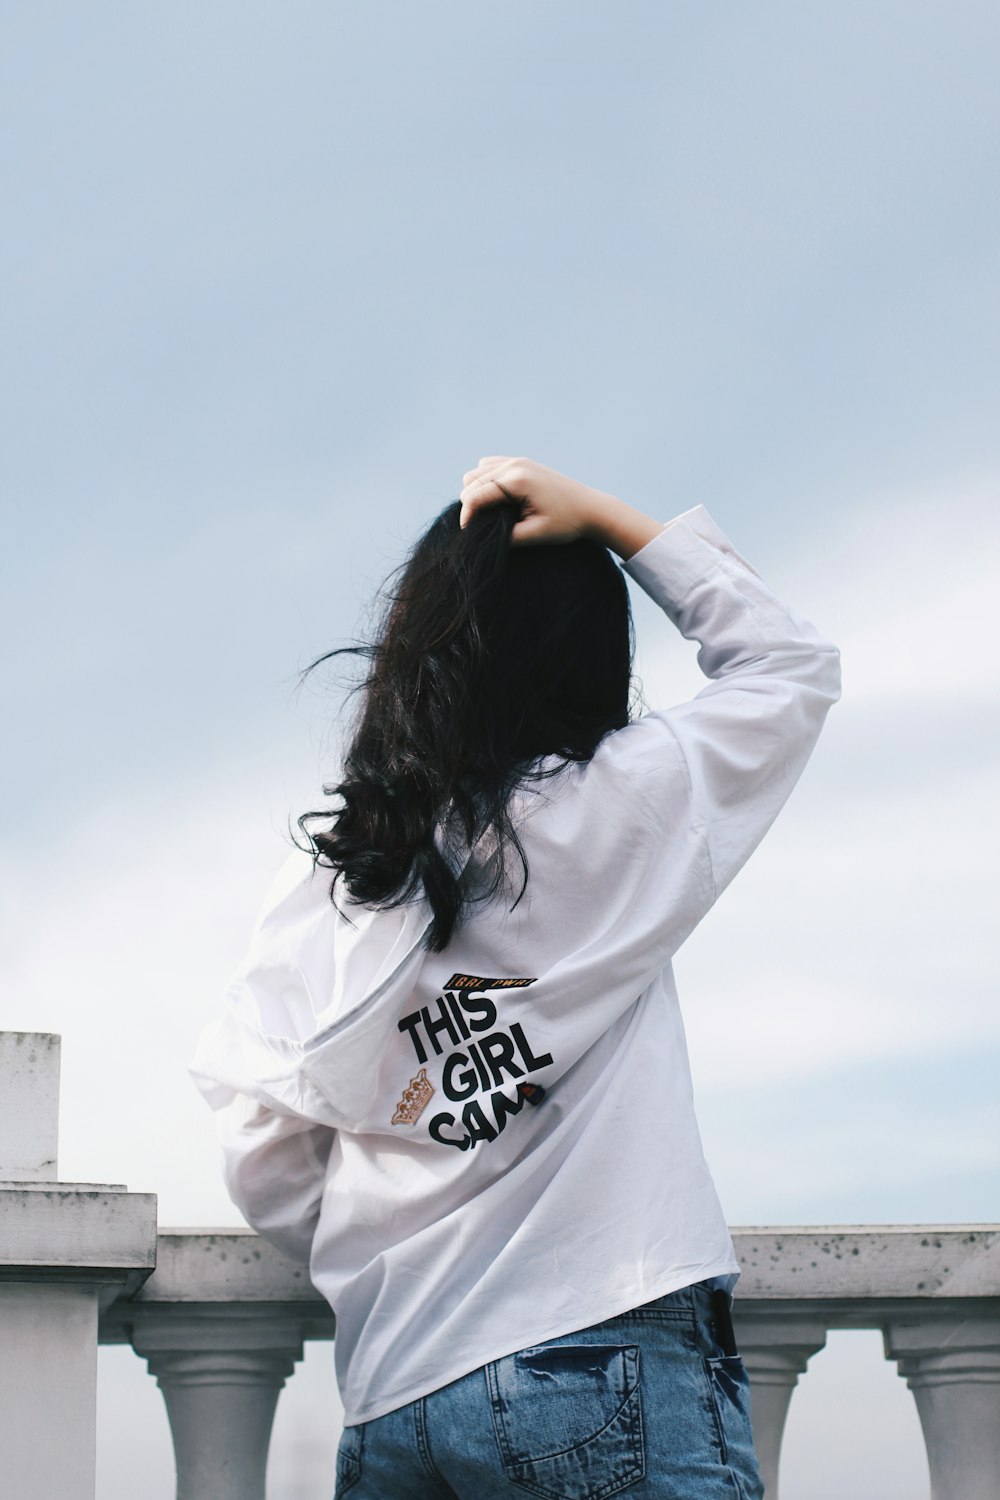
(908, 587)
(860, 929)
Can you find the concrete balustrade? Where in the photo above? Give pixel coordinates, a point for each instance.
(67, 1251)
(222, 1319)
(933, 1290)
(951, 1363)
(227, 1314)
(221, 1325)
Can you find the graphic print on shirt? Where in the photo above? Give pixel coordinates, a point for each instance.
(416, 1096)
(487, 1060)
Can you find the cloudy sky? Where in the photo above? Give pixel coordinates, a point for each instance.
(275, 277)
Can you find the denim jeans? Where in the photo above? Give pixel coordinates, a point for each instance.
(654, 1404)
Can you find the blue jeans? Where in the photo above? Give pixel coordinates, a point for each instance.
(654, 1403)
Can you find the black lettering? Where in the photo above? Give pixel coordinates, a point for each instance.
(410, 1024)
(482, 1006)
(443, 1023)
(464, 1085)
(531, 1062)
(502, 1107)
(437, 1125)
(476, 1123)
(456, 1011)
(498, 1051)
(476, 1055)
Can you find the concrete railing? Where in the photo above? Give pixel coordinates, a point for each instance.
(932, 1290)
(220, 1324)
(222, 1319)
(67, 1250)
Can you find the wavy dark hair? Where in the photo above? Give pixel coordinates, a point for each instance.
(489, 658)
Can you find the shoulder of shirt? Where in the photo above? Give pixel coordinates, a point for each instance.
(296, 878)
(630, 764)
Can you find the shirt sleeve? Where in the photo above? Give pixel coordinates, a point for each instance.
(269, 1121)
(724, 763)
(274, 1167)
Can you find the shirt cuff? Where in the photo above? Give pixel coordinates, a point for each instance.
(685, 552)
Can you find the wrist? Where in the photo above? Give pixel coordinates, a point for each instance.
(620, 527)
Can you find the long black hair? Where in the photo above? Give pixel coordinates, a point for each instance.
(489, 658)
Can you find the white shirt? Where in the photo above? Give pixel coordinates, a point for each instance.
(368, 1091)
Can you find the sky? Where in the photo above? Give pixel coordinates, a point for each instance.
(274, 278)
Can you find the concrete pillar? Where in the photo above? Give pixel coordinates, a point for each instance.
(29, 1106)
(67, 1250)
(776, 1347)
(48, 1390)
(221, 1377)
(952, 1366)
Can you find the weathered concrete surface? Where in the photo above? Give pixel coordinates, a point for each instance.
(76, 1187)
(48, 1391)
(889, 1261)
(224, 1273)
(67, 1250)
(841, 1263)
(205, 1265)
(60, 1232)
(29, 1106)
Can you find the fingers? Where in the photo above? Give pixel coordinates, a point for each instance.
(499, 477)
(552, 508)
(477, 494)
(483, 486)
(484, 465)
(533, 528)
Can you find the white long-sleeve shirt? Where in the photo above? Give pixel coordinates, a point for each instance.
(482, 1149)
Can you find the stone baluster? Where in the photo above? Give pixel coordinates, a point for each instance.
(220, 1377)
(221, 1325)
(951, 1363)
(776, 1344)
(67, 1251)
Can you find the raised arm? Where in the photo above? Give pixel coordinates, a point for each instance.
(746, 737)
(555, 508)
(711, 774)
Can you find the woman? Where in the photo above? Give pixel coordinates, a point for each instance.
(453, 1079)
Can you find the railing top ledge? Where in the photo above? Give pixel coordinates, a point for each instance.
(224, 1265)
(829, 1262)
(880, 1261)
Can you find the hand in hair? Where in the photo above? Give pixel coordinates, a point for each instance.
(554, 508)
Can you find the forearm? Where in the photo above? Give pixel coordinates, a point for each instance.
(554, 507)
(274, 1168)
(620, 527)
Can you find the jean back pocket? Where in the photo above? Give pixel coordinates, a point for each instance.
(568, 1419)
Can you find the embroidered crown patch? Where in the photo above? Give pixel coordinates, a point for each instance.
(415, 1100)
